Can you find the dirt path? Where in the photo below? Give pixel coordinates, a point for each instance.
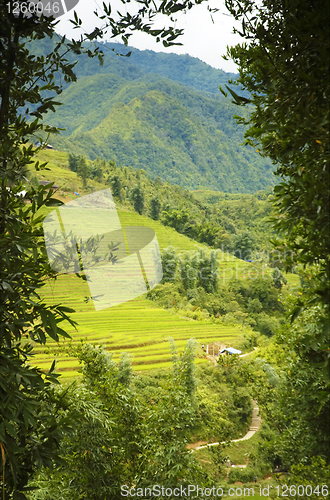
(254, 427)
(246, 354)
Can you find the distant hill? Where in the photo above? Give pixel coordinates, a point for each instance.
(127, 111)
(184, 69)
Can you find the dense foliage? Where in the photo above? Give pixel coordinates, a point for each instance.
(29, 430)
(194, 285)
(132, 431)
(290, 121)
(285, 67)
(290, 91)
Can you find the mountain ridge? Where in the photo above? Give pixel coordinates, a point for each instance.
(144, 120)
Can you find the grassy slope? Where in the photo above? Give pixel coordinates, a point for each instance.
(136, 327)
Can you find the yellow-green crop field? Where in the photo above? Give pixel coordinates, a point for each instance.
(136, 327)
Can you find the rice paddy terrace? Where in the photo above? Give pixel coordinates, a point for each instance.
(136, 327)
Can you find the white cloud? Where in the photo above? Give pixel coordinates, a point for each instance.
(202, 38)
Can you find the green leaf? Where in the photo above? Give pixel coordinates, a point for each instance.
(65, 309)
(52, 322)
(44, 317)
(240, 100)
(52, 334)
(63, 333)
(10, 429)
(7, 286)
(53, 202)
(51, 369)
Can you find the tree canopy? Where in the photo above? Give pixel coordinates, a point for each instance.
(284, 64)
(285, 67)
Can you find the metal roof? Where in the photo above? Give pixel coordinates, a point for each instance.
(231, 350)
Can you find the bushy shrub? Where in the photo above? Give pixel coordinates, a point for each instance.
(266, 325)
(246, 475)
(167, 295)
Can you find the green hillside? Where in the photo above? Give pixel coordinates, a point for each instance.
(212, 217)
(184, 69)
(99, 93)
(152, 111)
(139, 327)
(168, 130)
(142, 326)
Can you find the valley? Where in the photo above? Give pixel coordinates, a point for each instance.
(197, 363)
(141, 327)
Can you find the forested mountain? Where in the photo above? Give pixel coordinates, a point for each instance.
(124, 112)
(187, 70)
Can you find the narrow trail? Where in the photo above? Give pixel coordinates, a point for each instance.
(255, 422)
(246, 354)
(254, 427)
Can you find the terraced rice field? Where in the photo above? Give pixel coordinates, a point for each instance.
(136, 327)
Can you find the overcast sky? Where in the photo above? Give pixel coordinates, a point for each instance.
(202, 38)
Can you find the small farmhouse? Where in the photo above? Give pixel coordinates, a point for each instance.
(230, 350)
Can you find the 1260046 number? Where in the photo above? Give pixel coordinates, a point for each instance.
(302, 490)
(26, 8)
(47, 8)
